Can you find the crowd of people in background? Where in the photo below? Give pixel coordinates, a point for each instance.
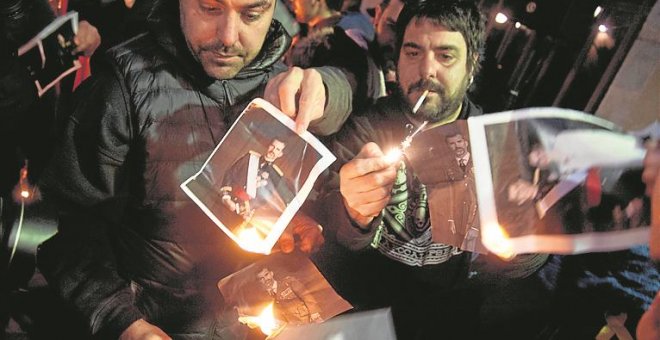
(134, 258)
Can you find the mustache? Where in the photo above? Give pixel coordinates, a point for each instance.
(427, 84)
(218, 47)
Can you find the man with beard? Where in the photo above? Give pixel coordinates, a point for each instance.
(380, 207)
(134, 257)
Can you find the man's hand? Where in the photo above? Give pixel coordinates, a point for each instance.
(522, 191)
(651, 166)
(305, 87)
(650, 178)
(648, 327)
(309, 232)
(366, 184)
(142, 330)
(87, 40)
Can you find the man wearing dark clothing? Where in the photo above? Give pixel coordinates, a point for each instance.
(133, 254)
(380, 208)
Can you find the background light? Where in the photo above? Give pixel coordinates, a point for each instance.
(597, 11)
(518, 24)
(602, 28)
(500, 18)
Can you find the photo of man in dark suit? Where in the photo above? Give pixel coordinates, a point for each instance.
(294, 304)
(255, 185)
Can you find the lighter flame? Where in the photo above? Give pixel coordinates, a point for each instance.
(393, 155)
(25, 194)
(496, 240)
(265, 321)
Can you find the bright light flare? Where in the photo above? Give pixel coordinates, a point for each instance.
(393, 155)
(496, 240)
(250, 240)
(501, 18)
(602, 28)
(25, 194)
(597, 11)
(265, 321)
(518, 24)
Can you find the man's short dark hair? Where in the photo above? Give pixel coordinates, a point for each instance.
(461, 16)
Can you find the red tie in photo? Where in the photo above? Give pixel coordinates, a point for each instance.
(593, 186)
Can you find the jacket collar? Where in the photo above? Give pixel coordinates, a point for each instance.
(165, 26)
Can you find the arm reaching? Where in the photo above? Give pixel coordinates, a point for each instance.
(321, 97)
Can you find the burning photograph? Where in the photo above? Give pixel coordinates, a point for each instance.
(443, 162)
(258, 177)
(281, 290)
(561, 182)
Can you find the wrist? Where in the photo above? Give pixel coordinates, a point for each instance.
(359, 220)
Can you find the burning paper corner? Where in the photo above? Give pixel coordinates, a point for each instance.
(250, 240)
(496, 240)
(265, 321)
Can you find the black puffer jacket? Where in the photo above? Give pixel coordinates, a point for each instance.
(130, 244)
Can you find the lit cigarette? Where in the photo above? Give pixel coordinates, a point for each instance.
(420, 101)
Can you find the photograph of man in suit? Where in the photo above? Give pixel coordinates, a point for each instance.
(459, 145)
(447, 171)
(294, 304)
(254, 184)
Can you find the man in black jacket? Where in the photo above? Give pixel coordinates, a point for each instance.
(134, 256)
(380, 207)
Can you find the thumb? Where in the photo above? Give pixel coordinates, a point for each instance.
(654, 238)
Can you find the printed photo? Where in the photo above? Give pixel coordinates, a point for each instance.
(258, 177)
(49, 55)
(443, 162)
(560, 181)
(287, 285)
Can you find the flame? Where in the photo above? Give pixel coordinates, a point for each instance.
(393, 155)
(496, 239)
(250, 240)
(24, 192)
(265, 321)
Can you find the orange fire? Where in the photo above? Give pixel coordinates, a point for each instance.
(24, 192)
(265, 321)
(496, 239)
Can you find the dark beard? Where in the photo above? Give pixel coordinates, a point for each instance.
(448, 104)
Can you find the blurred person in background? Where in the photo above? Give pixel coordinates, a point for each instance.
(340, 39)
